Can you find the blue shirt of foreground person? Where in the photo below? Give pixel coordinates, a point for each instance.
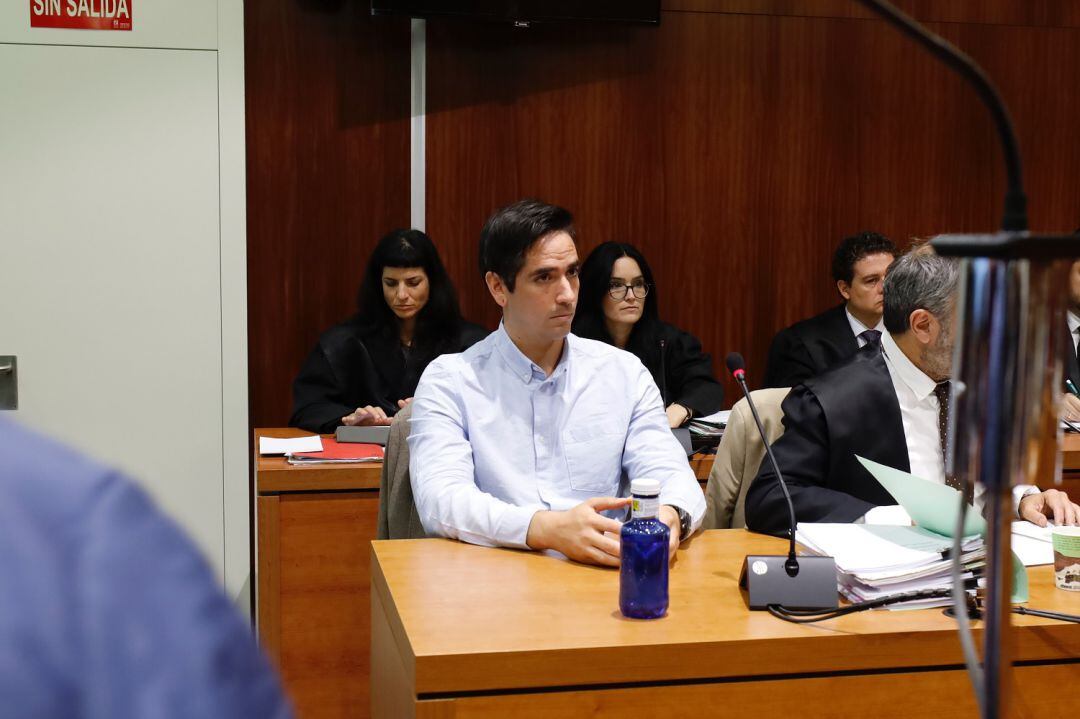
(106, 610)
(528, 437)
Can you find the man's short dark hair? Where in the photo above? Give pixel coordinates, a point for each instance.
(854, 248)
(512, 230)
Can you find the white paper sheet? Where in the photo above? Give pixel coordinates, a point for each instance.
(1032, 552)
(276, 445)
(720, 417)
(1027, 529)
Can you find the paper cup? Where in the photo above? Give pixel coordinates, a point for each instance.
(1067, 558)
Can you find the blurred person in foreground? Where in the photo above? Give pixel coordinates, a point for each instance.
(107, 610)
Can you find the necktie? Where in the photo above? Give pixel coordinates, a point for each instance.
(941, 391)
(870, 337)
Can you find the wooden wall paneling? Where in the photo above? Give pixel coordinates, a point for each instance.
(328, 173)
(1046, 13)
(736, 150)
(515, 114)
(708, 141)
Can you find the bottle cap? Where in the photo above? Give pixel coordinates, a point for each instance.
(645, 487)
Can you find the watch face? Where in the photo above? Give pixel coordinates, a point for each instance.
(684, 523)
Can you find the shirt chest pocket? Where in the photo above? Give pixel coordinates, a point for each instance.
(594, 457)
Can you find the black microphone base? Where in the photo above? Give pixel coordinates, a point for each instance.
(767, 582)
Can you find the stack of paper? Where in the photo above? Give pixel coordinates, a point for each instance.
(874, 561)
(335, 452)
(705, 432)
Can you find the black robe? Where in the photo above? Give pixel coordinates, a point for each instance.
(1070, 368)
(808, 348)
(681, 370)
(353, 367)
(850, 409)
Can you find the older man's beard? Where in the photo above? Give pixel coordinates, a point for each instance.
(937, 359)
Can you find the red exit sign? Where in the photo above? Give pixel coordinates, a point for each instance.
(81, 14)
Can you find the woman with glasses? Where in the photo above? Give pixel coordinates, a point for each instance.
(366, 368)
(617, 305)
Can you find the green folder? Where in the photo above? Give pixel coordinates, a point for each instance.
(933, 506)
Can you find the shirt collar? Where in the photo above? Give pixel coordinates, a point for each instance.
(858, 327)
(524, 368)
(1074, 321)
(920, 384)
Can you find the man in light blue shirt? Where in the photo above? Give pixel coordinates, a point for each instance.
(528, 438)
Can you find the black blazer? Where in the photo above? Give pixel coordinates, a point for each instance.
(808, 348)
(850, 409)
(681, 370)
(1070, 368)
(354, 367)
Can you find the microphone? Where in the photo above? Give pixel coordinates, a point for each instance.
(776, 580)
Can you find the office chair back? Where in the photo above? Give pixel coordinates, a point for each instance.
(397, 510)
(739, 457)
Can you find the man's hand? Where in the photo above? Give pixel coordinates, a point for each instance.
(670, 517)
(1070, 407)
(365, 416)
(402, 403)
(1052, 503)
(581, 533)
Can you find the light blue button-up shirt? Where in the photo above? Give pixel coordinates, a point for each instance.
(493, 440)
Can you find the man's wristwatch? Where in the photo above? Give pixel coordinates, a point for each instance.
(685, 522)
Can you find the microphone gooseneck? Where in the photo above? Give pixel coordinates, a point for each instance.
(663, 373)
(737, 366)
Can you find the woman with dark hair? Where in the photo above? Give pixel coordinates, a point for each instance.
(615, 305)
(365, 369)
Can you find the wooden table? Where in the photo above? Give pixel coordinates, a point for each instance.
(313, 528)
(460, 631)
(1070, 466)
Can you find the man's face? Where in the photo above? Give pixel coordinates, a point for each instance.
(541, 307)
(937, 353)
(1074, 287)
(865, 296)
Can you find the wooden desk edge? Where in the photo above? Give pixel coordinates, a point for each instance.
(384, 614)
(854, 653)
(275, 475)
(788, 656)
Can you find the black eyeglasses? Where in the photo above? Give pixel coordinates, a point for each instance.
(617, 290)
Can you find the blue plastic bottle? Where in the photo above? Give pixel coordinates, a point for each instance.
(643, 573)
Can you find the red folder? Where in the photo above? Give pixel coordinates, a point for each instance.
(334, 451)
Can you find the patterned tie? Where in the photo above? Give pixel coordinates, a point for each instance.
(870, 337)
(941, 391)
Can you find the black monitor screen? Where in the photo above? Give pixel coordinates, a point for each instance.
(641, 11)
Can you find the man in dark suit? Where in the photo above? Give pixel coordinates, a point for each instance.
(1070, 366)
(885, 404)
(810, 347)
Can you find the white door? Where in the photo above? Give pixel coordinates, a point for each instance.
(110, 281)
